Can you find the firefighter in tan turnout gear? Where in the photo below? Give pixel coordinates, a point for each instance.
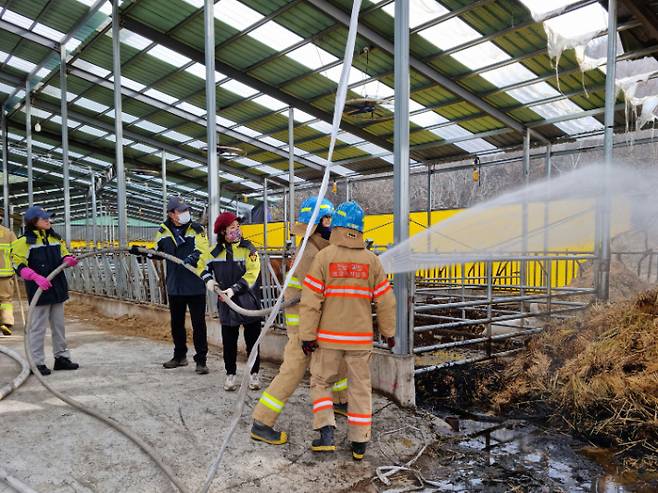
(6, 281)
(295, 362)
(336, 324)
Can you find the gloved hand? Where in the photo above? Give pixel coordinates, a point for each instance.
(192, 259)
(211, 285)
(229, 292)
(391, 342)
(309, 346)
(70, 260)
(29, 275)
(133, 250)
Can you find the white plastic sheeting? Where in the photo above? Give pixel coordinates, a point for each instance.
(579, 30)
(594, 54)
(574, 29)
(639, 90)
(541, 9)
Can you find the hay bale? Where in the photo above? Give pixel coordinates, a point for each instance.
(624, 283)
(599, 374)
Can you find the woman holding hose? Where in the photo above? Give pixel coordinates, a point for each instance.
(233, 266)
(34, 256)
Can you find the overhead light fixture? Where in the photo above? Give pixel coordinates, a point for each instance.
(37, 127)
(227, 152)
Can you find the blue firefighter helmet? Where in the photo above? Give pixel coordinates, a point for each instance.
(306, 210)
(348, 215)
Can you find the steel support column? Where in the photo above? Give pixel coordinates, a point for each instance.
(403, 283)
(603, 209)
(548, 264)
(65, 146)
(94, 209)
(287, 228)
(265, 213)
(164, 185)
(523, 267)
(211, 116)
(5, 167)
(547, 172)
(291, 175)
(429, 196)
(28, 143)
(87, 221)
(118, 126)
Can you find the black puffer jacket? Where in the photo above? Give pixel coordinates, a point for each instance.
(235, 266)
(42, 251)
(189, 241)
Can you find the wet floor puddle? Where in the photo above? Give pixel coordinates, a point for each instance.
(516, 456)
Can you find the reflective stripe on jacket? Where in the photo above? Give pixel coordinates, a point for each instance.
(7, 237)
(339, 288)
(192, 241)
(294, 290)
(235, 266)
(42, 251)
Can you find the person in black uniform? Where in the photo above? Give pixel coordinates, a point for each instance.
(187, 240)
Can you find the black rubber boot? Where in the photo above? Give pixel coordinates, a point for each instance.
(358, 450)
(340, 409)
(263, 433)
(63, 363)
(44, 370)
(175, 363)
(326, 441)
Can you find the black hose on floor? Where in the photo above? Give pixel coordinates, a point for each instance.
(147, 449)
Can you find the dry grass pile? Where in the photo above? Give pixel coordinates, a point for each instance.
(624, 283)
(599, 375)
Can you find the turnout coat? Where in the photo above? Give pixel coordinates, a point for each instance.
(294, 290)
(339, 289)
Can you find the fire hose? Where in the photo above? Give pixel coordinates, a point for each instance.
(8, 388)
(270, 312)
(147, 449)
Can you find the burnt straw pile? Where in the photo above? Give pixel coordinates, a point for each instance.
(596, 374)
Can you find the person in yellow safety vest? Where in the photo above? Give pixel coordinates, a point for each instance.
(295, 362)
(7, 236)
(186, 240)
(34, 256)
(233, 266)
(336, 325)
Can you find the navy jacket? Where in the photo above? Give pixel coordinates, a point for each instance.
(235, 266)
(192, 242)
(42, 251)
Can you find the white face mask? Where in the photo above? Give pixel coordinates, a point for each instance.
(184, 217)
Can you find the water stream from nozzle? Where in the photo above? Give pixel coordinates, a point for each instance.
(493, 229)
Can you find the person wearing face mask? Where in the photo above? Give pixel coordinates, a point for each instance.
(295, 362)
(34, 256)
(234, 267)
(185, 239)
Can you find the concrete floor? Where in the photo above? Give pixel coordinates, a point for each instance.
(54, 448)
